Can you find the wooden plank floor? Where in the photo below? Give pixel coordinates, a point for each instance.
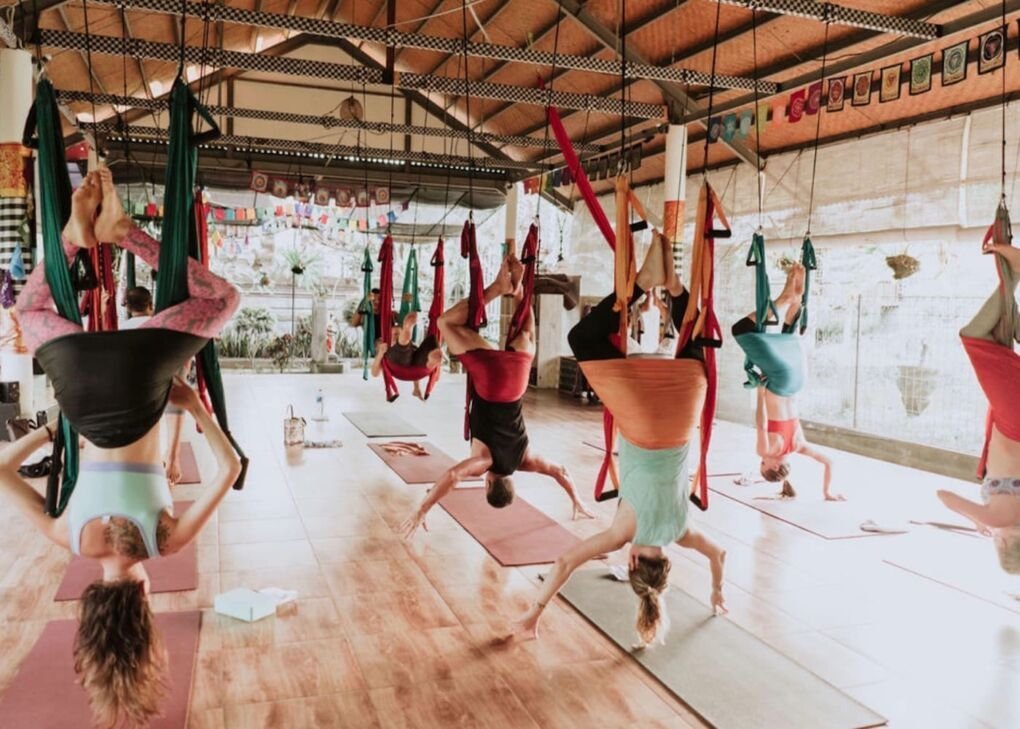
(394, 634)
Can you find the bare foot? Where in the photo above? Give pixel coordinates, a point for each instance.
(80, 228)
(1010, 253)
(653, 270)
(516, 274)
(789, 293)
(417, 391)
(504, 283)
(112, 224)
(435, 359)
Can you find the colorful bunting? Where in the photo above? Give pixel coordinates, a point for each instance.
(797, 100)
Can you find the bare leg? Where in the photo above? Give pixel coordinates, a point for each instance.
(654, 269)
(992, 321)
(461, 338)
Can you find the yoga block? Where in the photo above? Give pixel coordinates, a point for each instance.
(245, 604)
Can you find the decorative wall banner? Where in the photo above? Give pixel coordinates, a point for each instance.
(920, 74)
(746, 122)
(836, 97)
(280, 188)
(797, 101)
(890, 88)
(322, 195)
(259, 182)
(714, 129)
(814, 98)
(729, 127)
(862, 89)
(779, 110)
(762, 117)
(15, 170)
(992, 50)
(954, 63)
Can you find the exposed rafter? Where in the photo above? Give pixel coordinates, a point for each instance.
(323, 122)
(390, 37)
(111, 45)
(842, 15)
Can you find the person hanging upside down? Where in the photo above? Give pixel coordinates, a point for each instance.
(653, 482)
(403, 352)
(988, 339)
(499, 437)
(779, 433)
(112, 387)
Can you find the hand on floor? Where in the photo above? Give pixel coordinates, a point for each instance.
(411, 524)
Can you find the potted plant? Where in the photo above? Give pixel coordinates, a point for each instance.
(254, 325)
(281, 350)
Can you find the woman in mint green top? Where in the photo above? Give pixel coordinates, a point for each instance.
(653, 483)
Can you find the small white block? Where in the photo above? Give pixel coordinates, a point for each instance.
(245, 604)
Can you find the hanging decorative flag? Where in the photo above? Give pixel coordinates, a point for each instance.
(992, 50)
(761, 118)
(280, 188)
(746, 121)
(814, 98)
(362, 197)
(729, 123)
(797, 100)
(382, 195)
(259, 182)
(556, 175)
(231, 216)
(836, 96)
(404, 205)
(634, 158)
(343, 197)
(862, 89)
(151, 210)
(391, 216)
(362, 224)
(322, 196)
(382, 220)
(890, 88)
(714, 129)
(779, 111)
(920, 74)
(352, 224)
(954, 63)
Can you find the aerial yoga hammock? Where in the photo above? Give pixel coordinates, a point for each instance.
(655, 403)
(412, 367)
(192, 305)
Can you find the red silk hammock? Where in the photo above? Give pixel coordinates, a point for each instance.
(682, 388)
(99, 302)
(497, 375)
(997, 366)
(393, 371)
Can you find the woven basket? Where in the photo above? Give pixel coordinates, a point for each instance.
(903, 265)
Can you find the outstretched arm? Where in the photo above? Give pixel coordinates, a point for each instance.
(469, 467)
(559, 473)
(26, 499)
(602, 543)
(716, 556)
(810, 452)
(761, 425)
(195, 517)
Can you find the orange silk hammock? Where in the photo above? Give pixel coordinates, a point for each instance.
(996, 365)
(655, 403)
(497, 375)
(392, 371)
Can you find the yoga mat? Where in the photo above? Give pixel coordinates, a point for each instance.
(724, 674)
(417, 469)
(189, 466)
(826, 519)
(382, 424)
(516, 535)
(175, 573)
(45, 693)
(962, 563)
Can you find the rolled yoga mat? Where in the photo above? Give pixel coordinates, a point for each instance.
(175, 573)
(724, 674)
(808, 511)
(382, 424)
(417, 469)
(46, 695)
(516, 535)
(189, 466)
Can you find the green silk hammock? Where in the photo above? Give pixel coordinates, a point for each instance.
(409, 300)
(55, 209)
(367, 315)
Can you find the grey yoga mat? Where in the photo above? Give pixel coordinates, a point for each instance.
(727, 676)
(382, 424)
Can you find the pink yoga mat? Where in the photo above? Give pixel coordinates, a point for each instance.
(516, 535)
(45, 695)
(175, 573)
(417, 469)
(189, 466)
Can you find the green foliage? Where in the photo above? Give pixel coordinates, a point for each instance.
(281, 351)
(348, 345)
(249, 334)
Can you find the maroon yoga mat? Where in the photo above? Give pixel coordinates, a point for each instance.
(417, 469)
(516, 535)
(175, 573)
(45, 694)
(189, 466)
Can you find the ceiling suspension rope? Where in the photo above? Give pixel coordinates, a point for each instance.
(1005, 32)
(818, 132)
(88, 56)
(758, 121)
(467, 114)
(552, 81)
(711, 87)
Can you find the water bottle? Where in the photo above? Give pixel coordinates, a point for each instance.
(321, 402)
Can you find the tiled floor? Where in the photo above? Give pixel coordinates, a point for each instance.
(395, 634)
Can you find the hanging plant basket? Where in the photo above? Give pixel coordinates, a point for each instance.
(297, 270)
(916, 385)
(903, 266)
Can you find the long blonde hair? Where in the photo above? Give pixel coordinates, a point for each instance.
(1007, 545)
(649, 580)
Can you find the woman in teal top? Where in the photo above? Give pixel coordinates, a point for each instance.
(654, 486)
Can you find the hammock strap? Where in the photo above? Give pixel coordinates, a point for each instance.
(367, 314)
